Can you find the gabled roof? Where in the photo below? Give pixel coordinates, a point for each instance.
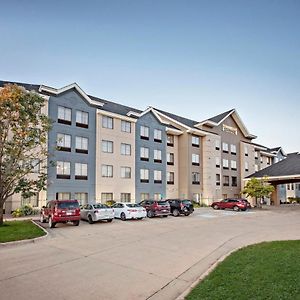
(218, 118)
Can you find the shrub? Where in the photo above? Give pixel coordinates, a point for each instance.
(110, 202)
(25, 210)
(294, 200)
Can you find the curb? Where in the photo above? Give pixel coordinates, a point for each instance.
(27, 241)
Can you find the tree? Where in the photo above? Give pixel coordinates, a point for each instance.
(258, 188)
(23, 143)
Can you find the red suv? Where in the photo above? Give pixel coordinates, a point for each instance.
(235, 204)
(156, 208)
(60, 211)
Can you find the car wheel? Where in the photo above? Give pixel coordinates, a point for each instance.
(236, 208)
(50, 223)
(176, 212)
(165, 216)
(42, 220)
(140, 218)
(215, 206)
(150, 214)
(123, 216)
(90, 219)
(76, 223)
(109, 220)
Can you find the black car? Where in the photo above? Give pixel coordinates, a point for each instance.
(178, 206)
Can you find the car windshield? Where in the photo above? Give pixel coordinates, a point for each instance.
(187, 202)
(133, 205)
(70, 205)
(97, 206)
(162, 203)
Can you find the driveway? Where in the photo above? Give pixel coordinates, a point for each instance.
(155, 258)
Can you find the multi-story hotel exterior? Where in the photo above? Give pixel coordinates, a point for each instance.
(107, 151)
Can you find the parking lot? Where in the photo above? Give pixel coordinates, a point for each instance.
(155, 258)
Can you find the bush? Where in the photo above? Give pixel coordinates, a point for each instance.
(293, 200)
(110, 202)
(25, 210)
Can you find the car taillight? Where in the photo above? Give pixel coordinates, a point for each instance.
(96, 211)
(155, 205)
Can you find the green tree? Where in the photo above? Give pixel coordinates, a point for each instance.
(258, 188)
(23, 143)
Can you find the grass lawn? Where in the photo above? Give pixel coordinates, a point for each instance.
(269, 270)
(19, 230)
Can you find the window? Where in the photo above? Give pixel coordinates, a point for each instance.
(225, 180)
(63, 196)
(218, 179)
(233, 165)
(233, 149)
(82, 198)
(81, 171)
(170, 140)
(218, 162)
(64, 115)
(246, 166)
(225, 147)
(288, 186)
(125, 149)
(292, 186)
(157, 156)
(107, 197)
(195, 178)
(63, 170)
(157, 196)
(246, 150)
(170, 159)
(125, 126)
(107, 122)
(81, 144)
(225, 164)
(157, 135)
(170, 177)
(82, 119)
(144, 132)
(107, 171)
(125, 197)
(234, 181)
(144, 153)
(145, 196)
(195, 159)
(157, 176)
(107, 146)
(217, 145)
(63, 142)
(144, 175)
(195, 141)
(256, 167)
(125, 172)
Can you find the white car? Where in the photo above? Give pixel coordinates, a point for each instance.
(127, 210)
(96, 212)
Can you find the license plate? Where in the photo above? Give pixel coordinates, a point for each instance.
(69, 213)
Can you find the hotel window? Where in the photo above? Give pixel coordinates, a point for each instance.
(157, 196)
(233, 165)
(195, 178)
(144, 132)
(157, 156)
(81, 171)
(144, 175)
(217, 145)
(125, 126)
(170, 177)
(195, 141)
(195, 159)
(125, 149)
(246, 166)
(107, 146)
(64, 115)
(144, 153)
(107, 122)
(170, 140)
(225, 180)
(256, 167)
(292, 186)
(125, 172)
(256, 154)
(233, 180)
(63, 170)
(107, 197)
(246, 150)
(233, 149)
(288, 186)
(82, 119)
(107, 171)
(170, 159)
(81, 144)
(63, 142)
(157, 135)
(218, 179)
(157, 176)
(125, 197)
(225, 164)
(145, 196)
(82, 198)
(218, 162)
(225, 147)
(63, 196)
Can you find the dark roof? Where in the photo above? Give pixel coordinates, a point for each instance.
(28, 87)
(220, 117)
(172, 126)
(274, 149)
(285, 167)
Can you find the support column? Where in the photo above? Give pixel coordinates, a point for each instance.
(274, 196)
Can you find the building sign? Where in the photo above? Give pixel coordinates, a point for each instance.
(229, 129)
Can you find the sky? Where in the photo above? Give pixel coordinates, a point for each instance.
(192, 58)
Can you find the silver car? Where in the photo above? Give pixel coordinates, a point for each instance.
(96, 212)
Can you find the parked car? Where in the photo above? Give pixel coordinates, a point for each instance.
(178, 206)
(96, 212)
(60, 211)
(156, 208)
(231, 203)
(128, 210)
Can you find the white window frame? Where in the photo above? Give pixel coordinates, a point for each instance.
(225, 163)
(107, 146)
(63, 168)
(125, 172)
(125, 149)
(157, 134)
(157, 154)
(107, 171)
(195, 140)
(233, 149)
(81, 169)
(63, 140)
(144, 152)
(125, 126)
(195, 158)
(107, 122)
(144, 131)
(144, 174)
(233, 164)
(64, 113)
(225, 147)
(82, 117)
(81, 143)
(157, 174)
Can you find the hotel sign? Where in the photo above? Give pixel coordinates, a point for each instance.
(229, 129)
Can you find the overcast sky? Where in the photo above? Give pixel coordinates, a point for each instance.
(193, 58)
